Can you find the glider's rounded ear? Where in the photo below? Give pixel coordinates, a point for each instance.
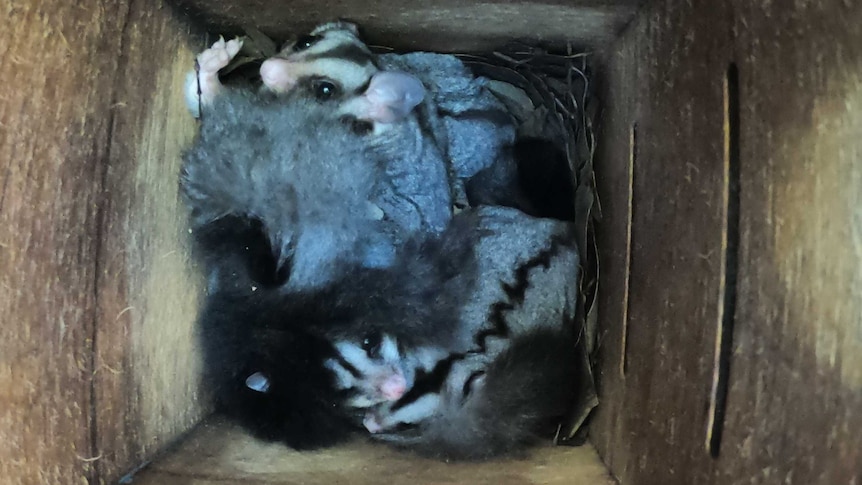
(390, 97)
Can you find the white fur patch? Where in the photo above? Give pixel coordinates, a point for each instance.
(355, 356)
(389, 350)
(193, 102)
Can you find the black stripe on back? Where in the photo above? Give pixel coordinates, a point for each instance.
(516, 292)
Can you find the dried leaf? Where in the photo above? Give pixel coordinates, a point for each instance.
(258, 44)
(515, 99)
(588, 400)
(592, 315)
(236, 63)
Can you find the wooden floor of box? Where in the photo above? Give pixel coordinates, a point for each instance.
(220, 453)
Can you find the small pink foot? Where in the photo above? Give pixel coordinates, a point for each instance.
(372, 424)
(219, 55)
(203, 88)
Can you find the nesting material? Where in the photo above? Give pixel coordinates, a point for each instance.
(514, 138)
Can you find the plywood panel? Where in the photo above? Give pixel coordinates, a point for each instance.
(219, 453)
(795, 402)
(620, 95)
(98, 366)
(148, 388)
(793, 406)
(448, 25)
(669, 66)
(59, 61)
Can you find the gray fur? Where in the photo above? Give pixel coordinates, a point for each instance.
(476, 126)
(415, 299)
(521, 296)
(303, 172)
(495, 273)
(446, 289)
(414, 189)
(511, 245)
(495, 292)
(460, 129)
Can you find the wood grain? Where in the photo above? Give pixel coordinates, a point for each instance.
(796, 388)
(147, 359)
(98, 367)
(794, 401)
(219, 453)
(446, 26)
(59, 64)
(652, 430)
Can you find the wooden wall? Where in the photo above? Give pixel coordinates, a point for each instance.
(443, 25)
(98, 367)
(786, 123)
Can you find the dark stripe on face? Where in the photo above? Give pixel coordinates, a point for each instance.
(348, 366)
(348, 52)
(361, 89)
(428, 382)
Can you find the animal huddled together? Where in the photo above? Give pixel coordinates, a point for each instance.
(374, 262)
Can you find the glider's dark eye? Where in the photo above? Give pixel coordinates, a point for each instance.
(304, 42)
(371, 345)
(324, 90)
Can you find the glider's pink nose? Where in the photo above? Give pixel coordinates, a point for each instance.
(393, 387)
(275, 74)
